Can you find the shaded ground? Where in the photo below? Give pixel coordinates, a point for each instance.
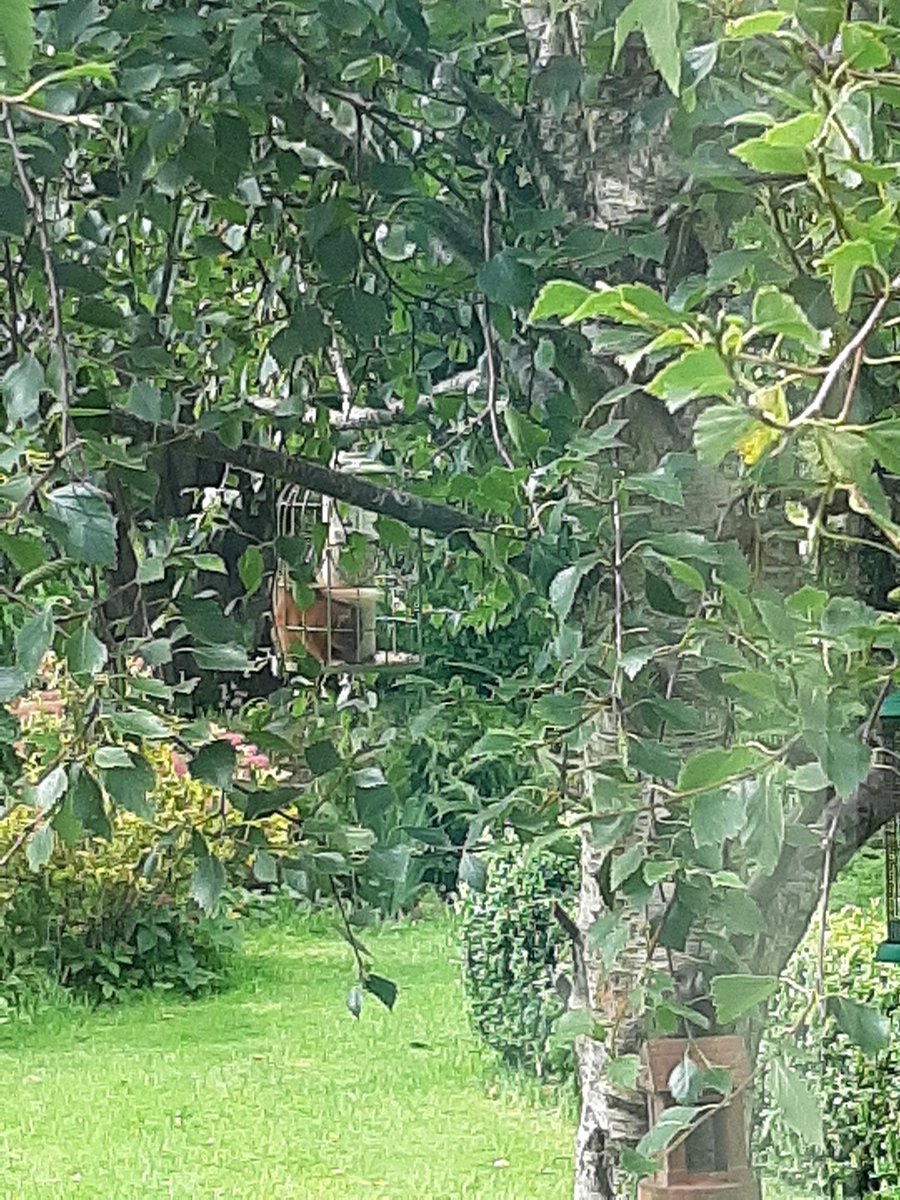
(272, 1090)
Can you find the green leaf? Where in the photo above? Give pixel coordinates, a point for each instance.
(780, 315)
(865, 1026)
(322, 757)
(695, 374)
(659, 484)
(658, 21)
(560, 712)
(128, 788)
(884, 441)
(389, 862)
(307, 333)
(146, 402)
(87, 804)
(755, 24)
(624, 1071)
(265, 868)
(85, 653)
(718, 430)
(221, 658)
(636, 1164)
(560, 298)
(250, 569)
(12, 683)
(22, 386)
(797, 1103)
(472, 871)
(843, 758)
(338, 255)
(633, 661)
(608, 937)
(843, 263)
(383, 989)
(564, 586)
(67, 826)
(39, 847)
(87, 526)
(671, 1123)
(506, 279)
(764, 833)
(16, 41)
(574, 1023)
(49, 789)
(716, 817)
(736, 995)
(863, 47)
(136, 722)
(214, 764)
(684, 573)
(208, 882)
(25, 551)
(112, 756)
(626, 865)
(33, 641)
(710, 768)
(628, 304)
(821, 18)
(13, 214)
(685, 1082)
(527, 436)
(355, 1002)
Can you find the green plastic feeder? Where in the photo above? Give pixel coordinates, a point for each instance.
(889, 950)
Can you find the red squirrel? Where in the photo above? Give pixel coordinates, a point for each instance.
(311, 626)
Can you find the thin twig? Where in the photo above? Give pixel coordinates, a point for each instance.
(840, 360)
(348, 930)
(36, 208)
(823, 912)
(844, 415)
(491, 363)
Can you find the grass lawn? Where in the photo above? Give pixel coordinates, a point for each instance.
(272, 1090)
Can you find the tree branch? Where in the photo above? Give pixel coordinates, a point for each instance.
(386, 501)
(789, 895)
(395, 413)
(841, 359)
(38, 216)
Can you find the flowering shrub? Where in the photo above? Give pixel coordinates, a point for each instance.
(110, 904)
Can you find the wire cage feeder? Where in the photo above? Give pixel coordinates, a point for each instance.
(343, 597)
(889, 950)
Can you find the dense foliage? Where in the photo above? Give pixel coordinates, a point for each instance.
(516, 955)
(855, 1077)
(114, 913)
(626, 336)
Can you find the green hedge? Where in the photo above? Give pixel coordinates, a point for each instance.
(512, 946)
(860, 1096)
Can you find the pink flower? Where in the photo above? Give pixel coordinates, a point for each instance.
(179, 766)
(259, 761)
(234, 739)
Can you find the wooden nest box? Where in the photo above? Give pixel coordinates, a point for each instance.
(339, 596)
(712, 1163)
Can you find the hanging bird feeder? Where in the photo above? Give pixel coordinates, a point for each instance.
(889, 950)
(341, 596)
(712, 1162)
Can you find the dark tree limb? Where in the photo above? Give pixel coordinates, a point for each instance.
(789, 895)
(386, 501)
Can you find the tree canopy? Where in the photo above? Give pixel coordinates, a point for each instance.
(611, 290)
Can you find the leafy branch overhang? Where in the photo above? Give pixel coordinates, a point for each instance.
(411, 510)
